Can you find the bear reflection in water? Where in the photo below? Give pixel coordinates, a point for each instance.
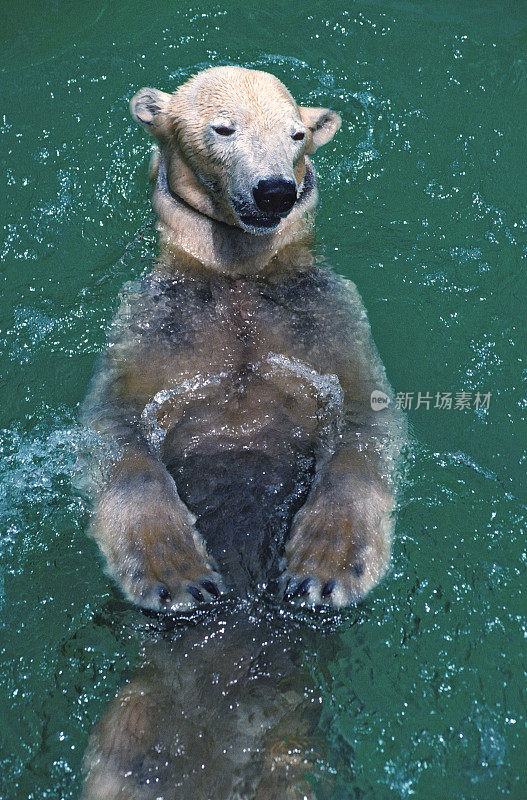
(222, 710)
(251, 472)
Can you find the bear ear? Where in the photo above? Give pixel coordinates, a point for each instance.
(323, 124)
(149, 107)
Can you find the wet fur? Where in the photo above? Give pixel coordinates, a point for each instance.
(176, 329)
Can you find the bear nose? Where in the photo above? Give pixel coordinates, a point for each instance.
(275, 195)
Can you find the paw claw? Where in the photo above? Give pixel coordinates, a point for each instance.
(304, 587)
(164, 594)
(295, 589)
(195, 593)
(328, 588)
(211, 588)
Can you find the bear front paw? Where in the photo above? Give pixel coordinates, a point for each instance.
(165, 567)
(152, 547)
(339, 548)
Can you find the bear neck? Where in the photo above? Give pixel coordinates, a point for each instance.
(192, 240)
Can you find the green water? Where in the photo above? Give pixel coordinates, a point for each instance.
(423, 206)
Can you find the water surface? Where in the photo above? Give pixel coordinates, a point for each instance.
(423, 206)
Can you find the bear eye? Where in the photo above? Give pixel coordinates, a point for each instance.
(223, 130)
(298, 136)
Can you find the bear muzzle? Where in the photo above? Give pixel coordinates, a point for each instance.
(275, 196)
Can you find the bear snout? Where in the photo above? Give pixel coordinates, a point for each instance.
(275, 195)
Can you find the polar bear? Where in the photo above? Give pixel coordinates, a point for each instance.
(252, 463)
(238, 379)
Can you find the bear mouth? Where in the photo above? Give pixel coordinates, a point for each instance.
(257, 221)
(262, 223)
